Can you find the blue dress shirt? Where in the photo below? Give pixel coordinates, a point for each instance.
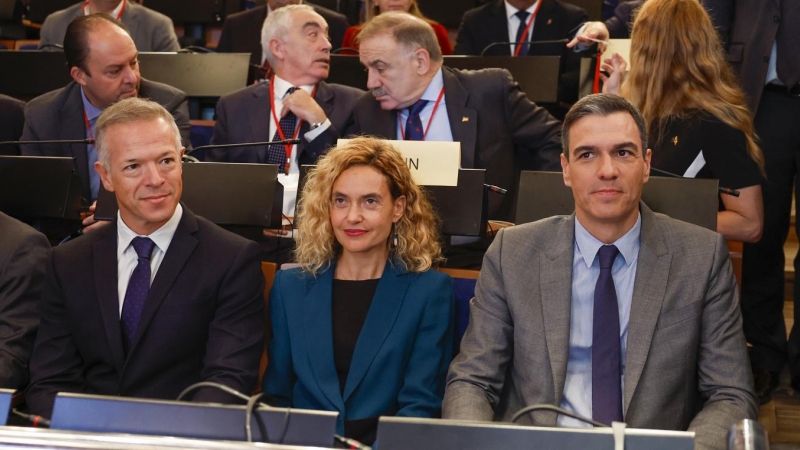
(440, 124)
(585, 271)
(92, 114)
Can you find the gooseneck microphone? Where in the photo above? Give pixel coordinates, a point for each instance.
(49, 141)
(496, 44)
(562, 411)
(246, 144)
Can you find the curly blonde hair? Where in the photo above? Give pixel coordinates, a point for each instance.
(678, 66)
(418, 247)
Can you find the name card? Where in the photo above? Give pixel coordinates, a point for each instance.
(621, 46)
(431, 163)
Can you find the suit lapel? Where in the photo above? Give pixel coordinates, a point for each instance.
(556, 290)
(180, 249)
(74, 127)
(648, 295)
(542, 25)
(259, 113)
(318, 326)
(105, 281)
(463, 120)
(382, 314)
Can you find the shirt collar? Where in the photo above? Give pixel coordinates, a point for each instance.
(113, 14)
(628, 244)
(510, 10)
(162, 236)
(434, 88)
(280, 86)
(91, 111)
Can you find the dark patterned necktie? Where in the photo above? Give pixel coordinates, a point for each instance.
(136, 293)
(414, 130)
(276, 153)
(606, 367)
(523, 17)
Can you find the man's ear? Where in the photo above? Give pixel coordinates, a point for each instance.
(422, 59)
(78, 75)
(565, 170)
(104, 176)
(276, 47)
(648, 155)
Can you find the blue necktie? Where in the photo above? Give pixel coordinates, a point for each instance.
(414, 130)
(606, 366)
(276, 153)
(136, 293)
(523, 17)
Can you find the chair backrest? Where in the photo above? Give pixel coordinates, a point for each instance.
(464, 281)
(269, 269)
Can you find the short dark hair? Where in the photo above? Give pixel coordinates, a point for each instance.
(601, 105)
(76, 40)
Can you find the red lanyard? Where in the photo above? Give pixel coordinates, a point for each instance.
(121, 11)
(430, 119)
(527, 28)
(288, 147)
(88, 127)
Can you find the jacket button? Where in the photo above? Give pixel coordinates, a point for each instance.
(776, 19)
(766, 59)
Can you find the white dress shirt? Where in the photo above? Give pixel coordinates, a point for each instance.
(114, 13)
(514, 23)
(126, 254)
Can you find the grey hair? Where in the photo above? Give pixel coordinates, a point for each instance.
(601, 105)
(277, 26)
(127, 111)
(407, 30)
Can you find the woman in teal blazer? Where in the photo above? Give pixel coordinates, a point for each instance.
(363, 327)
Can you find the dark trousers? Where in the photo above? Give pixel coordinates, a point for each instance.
(777, 123)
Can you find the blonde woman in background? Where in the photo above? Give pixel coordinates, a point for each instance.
(699, 123)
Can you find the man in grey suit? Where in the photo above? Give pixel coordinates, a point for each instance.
(615, 312)
(102, 61)
(150, 30)
(23, 256)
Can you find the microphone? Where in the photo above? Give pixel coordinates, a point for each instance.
(495, 44)
(49, 141)
(562, 411)
(247, 144)
(722, 190)
(495, 189)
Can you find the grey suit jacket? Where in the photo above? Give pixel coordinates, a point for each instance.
(500, 130)
(151, 31)
(59, 115)
(686, 364)
(244, 115)
(23, 255)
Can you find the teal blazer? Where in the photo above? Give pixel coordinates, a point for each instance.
(400, 360)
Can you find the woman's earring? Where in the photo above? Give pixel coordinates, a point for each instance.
(394, 234)
(394, 239)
